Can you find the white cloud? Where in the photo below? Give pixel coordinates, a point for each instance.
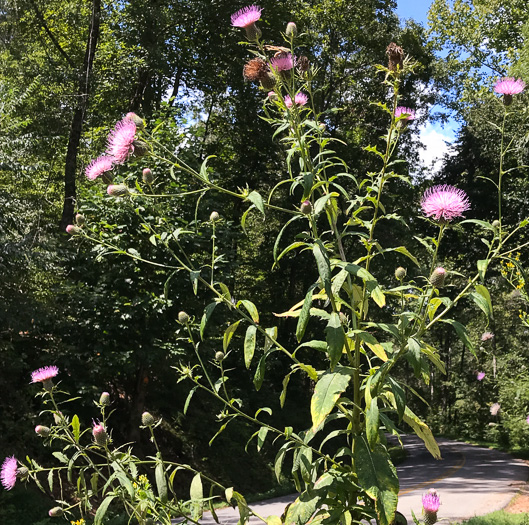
(436, 142)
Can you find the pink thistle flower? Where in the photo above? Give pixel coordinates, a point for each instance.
(487, 336)
(246, 16)
(301, 99)
(509, 86)
(431, 501)
(99, 166)
(444, 203)
(495, 408)
(120, 140)
(282, 62)
(100, 434)
(405, 113)
(8, 474)
(527, 420)
(480, 376)
(44, 374)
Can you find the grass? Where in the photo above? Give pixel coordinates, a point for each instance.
(499, 517)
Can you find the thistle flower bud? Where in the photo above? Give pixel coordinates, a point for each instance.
(80, 219)
(253, 33)
(58, 417)
(140, 148)
(400, 273)
(214, 217)
(306, 207)
(183, 318)
(147, 419)
(100, 434)
(104, 399)
(43, 431)
(291, 30)
(507, 99)
(395, 57)
(118, 190)
(430, 506)
(147, 176)
(22, 473)
(140, 123)
(73, 230)
(303, 63)
(496, 224)
(438, 277)
(56, 512)
(268, 81)
(219, 356)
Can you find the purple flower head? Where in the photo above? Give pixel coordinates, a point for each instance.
(444, 203)
(246, 16)
(405, 113)
(282, 62)
(8, 474)
(99, 166)
(120, 140)
(301, 99)
(480, 376)
(430, 501)
(527, 420)
(487, 336)
(509, 86)
(44, 374)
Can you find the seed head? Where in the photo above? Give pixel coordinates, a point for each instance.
(395, 57)
(256, 70)
(219, 356)
(214, 217)
(147, 176)
(56, 512)
(306, 207)
(118, 190)
(73, 230)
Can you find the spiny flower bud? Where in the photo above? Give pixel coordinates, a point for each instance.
(22, 473)
(438, 277)
(73, 230)
(104, 399)
(400, 273)
(79, 219)
(100, 434)
(140, 148)
(43, 431)
(214, 217)
(268, 81)
(306, 207)
(147, 176)
(496, 224)
(147, 419)
(291, 30)
(396, 57)
(183, 318)
(140, 123)
(219, 356)
(56, 512)
(118, 190)
(253, 33)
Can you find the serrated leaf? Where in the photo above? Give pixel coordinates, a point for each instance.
(249, 344)
(102, 510)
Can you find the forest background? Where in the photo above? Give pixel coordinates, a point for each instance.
(71, 69)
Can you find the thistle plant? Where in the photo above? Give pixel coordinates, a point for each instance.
(340, 465)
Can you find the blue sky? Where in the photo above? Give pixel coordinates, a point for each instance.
(416, 9)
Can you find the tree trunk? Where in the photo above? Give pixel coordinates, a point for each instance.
(76, 128)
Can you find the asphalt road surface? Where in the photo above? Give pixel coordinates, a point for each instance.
(471, 481)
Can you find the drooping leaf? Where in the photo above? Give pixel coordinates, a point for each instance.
(249, 344)
(335, 338)
(228, 334)
(423, 431)
(304, 315)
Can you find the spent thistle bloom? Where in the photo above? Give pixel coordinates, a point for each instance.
(104, 399)
(291, 30)
(42, 430)
(444, 203)
(120, 140)
(8, 474)
(246, 18)
(44, 375)
(495, 408)
(430, 506)
(147, 419)
(255, 70)
(480, 376)
(405, 113)
(395, 57)
(99, 167)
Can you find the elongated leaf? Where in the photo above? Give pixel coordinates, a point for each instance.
(378, 477)
(482, 268)
(300, 512)
(196, 493)
(210, 503)
(423, 431)
(188, 399)
(328, 389)
(249, 344)
(76, 427)
(251, 308)
(485, 303)
(228, 334)
(462, 333)
(324, 266)
(335, 337)
(102, 510)
(304, 315)
(205, 318)
(271, 332)
(260, 373)
(256, 199)
(261, 436)
(372, 423)
(193, 277)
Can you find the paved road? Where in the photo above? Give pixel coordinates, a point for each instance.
(470, 481)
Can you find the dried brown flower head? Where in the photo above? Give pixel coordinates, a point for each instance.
(303, 63)
(255, 70)
(396, 56)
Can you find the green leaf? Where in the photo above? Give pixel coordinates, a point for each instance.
(61, 457)
(228, 334)
(324, 266)
(335, 338)
(462, 333)
(256, 199)
(423, 431)
(378, 477)
(251, 308)
(483, 224)
(271, 332)
(76, 427)
(102, 510)
(210, 503)
(193, 276)
(304, 315)
(372, 423)
(273, 520)
(188, 399)
(249, 344)
(482, 268)
(283, 395)
(482, 299)
(260, 373)
(196, 493)
(205, 318)
(261, 436)
(50, 480)
(320, 204)
(400, 396)
(328, 389)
